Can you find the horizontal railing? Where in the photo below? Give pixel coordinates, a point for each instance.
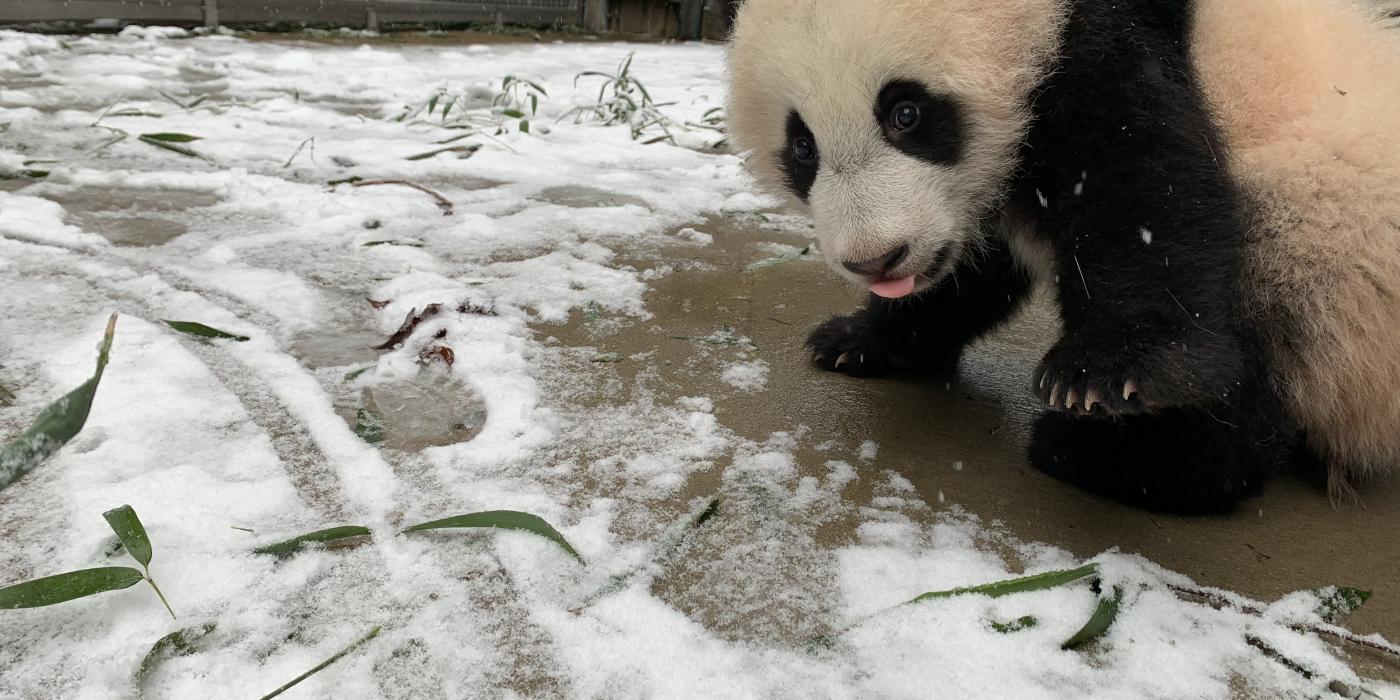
(369, 13)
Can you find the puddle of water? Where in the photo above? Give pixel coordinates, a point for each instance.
(368, 109)
(340, 348)
(123, 216)
(132, 231)
(580, 197)
(431, 410)
(132, 200)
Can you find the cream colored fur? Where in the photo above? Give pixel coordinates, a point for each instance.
(1308, 93)
(827, 60)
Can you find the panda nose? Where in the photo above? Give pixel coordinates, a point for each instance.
(877, 267)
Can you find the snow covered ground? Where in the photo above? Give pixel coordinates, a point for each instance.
(222, 447)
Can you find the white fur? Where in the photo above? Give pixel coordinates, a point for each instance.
(828, 59)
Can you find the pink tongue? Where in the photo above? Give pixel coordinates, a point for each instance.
(894, 289)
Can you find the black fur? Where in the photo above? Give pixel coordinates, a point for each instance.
(937, 137)
(927, 332)
(801, 174)
(1124, 164)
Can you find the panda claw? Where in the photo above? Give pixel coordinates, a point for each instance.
(1130, 388)
(1071, 399)
(1055, 395)
(1091, 399)
(843, 359)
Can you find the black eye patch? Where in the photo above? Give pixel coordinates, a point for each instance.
(936, 134)
(800, 157)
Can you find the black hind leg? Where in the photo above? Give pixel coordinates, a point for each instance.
(927, 332)
(1181, 460)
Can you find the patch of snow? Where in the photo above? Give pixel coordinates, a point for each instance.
(747, 376)
(869, 450)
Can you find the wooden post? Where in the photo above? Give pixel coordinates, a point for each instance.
(371, 17)
(595, 15)
(211, 13)
(692, 17)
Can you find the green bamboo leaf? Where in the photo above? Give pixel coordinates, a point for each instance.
(1336, 602)
(513, 113)
(369, 426)
(1017, 625)
(61, 588)
(131, 533)
(202, 331)
(1038, 582)
(335, 536)
(405, 244)
(133, 113)
(1099, 622)
(7, 397)
(169, 137)
(468, 149)
(176, 148)
(505, 520)
(355, 374)
(766, 262)
(318, 667)
(178, 643)
(432, 103)
(524, 126)
(57, 423)
(132, 536)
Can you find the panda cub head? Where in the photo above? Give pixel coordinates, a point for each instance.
(897, 121)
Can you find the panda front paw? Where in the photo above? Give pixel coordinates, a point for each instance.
(1124, 377)
(856, 346)
(851, 345)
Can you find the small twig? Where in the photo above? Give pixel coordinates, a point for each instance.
(1323, 630)
(109, 109)
(1334, 686)
(442, 202)
(341, 654)
(159, 594)
(310, 140)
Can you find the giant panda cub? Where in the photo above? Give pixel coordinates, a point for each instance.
(1211, 187)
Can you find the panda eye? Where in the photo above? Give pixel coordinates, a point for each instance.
(804, 150)
(904, 116)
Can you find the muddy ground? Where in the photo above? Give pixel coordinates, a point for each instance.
(962, 444)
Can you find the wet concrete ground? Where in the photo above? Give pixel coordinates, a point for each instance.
(962, 444)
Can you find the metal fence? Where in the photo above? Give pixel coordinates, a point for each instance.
(371, 13)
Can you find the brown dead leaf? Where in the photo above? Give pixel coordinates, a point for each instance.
(437, 353)
(410, 323)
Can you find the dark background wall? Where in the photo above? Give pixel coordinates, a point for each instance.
(687, 19)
